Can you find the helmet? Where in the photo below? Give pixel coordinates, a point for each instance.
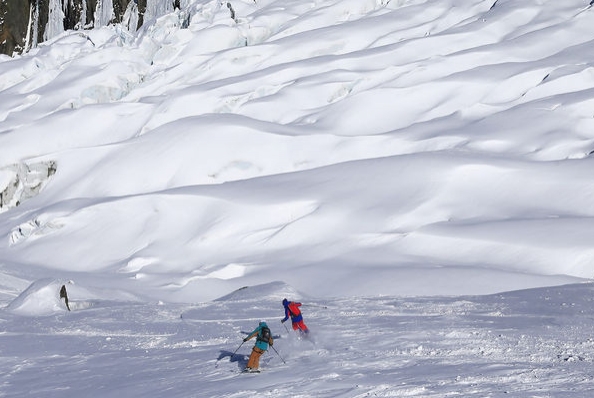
(262, 322)
(285, 302)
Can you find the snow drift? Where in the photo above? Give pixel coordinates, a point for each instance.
(304, 142)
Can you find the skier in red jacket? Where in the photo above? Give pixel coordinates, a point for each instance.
(292, 311)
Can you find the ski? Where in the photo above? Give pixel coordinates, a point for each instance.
(585, 8)
(250, 371)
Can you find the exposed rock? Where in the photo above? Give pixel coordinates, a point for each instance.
(64, 295)
(25, 23)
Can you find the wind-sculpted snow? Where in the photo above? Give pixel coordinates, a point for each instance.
(347, 147)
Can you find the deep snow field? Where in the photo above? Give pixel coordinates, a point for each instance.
(417, 172)
(529, 343)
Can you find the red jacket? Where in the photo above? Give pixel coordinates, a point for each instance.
(292, 310)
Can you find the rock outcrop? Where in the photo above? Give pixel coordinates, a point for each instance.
(25, 23)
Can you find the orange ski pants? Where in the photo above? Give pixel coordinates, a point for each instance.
(254, 361)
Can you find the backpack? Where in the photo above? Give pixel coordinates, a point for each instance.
(294, 309)
(264, 334)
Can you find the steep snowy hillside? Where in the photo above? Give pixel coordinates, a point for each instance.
(419, 140)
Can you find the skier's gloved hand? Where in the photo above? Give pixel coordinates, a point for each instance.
(246, 339)
(283, 320)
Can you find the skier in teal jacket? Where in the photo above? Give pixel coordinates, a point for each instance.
(263, 339)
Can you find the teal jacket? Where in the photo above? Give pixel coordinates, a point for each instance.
(260, 342)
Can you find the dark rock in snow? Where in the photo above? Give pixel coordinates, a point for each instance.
(23, 23)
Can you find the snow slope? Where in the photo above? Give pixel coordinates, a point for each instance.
(415, 139)
(397, 165)
(529, 343)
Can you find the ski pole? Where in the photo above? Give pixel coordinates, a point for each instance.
(286, 328)
(234, 352)
(279, 355)
(232, 355)
(316, 306)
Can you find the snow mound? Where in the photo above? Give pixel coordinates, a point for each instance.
(42, 297)
(273, 290)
